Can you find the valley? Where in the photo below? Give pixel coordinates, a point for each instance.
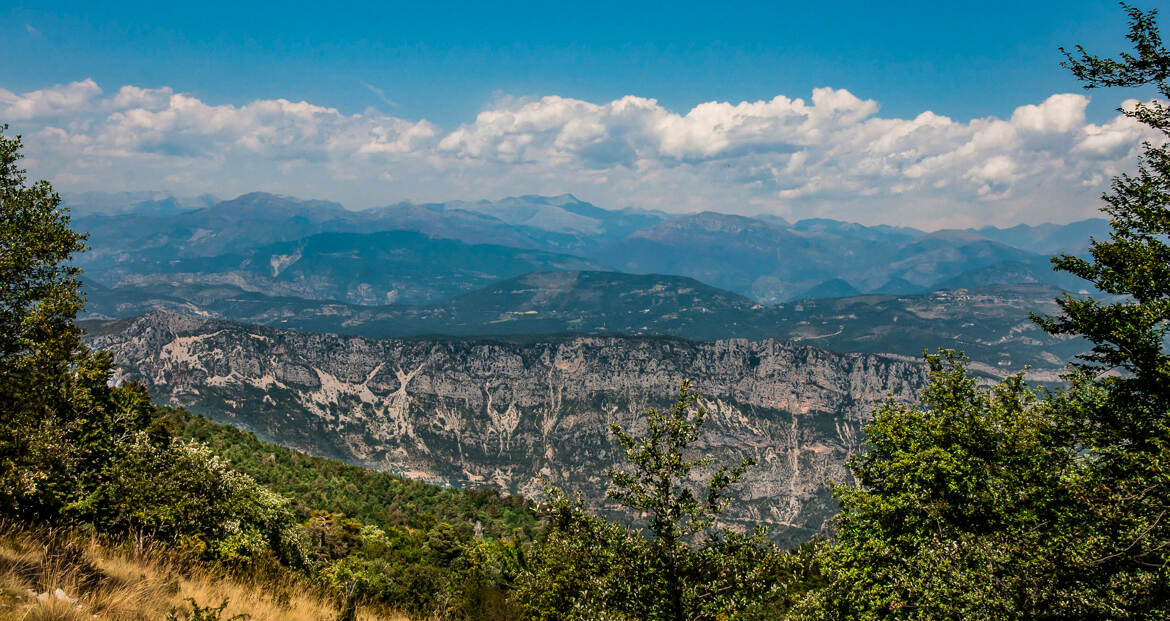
(491, 343)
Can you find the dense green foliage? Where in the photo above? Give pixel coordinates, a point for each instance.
(385, 538)
(57, 410)
(1126, 433)
(961, 508)
(1007, 503)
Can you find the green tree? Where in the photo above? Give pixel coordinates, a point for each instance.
(182, 494)
(1127, 432)
(682, 565)
(582, 565)
(39, 293)
(1011, 503)
(659, 486)
(1129, 335)
(333, 535)
(72, 447)
(961, 509)
(39, 297)
(60, 422)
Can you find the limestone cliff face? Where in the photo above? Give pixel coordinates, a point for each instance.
(506, 414)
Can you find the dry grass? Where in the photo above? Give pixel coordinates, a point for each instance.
(133, 582)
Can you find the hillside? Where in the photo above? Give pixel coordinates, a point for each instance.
(371, 497)
(85, 576)
(53, 574)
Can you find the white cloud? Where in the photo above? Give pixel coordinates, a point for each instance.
(53, 101)
(831, 154)
(1111, 140)
(136, 97)
(182, 126)
(1058, 114)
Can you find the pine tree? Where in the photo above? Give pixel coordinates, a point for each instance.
(1127, 431)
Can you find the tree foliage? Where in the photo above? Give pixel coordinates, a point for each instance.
(1129, 335)
(40, 293)
(1007, 502)
(1126, 433)
(962, 507)
(60, 421)
(682, 565)
(659, 486)
(378, 498)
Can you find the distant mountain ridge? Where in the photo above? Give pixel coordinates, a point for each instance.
(767, 259)
(360, 268)
(143, 203)
(774, 263)
(1049, 238)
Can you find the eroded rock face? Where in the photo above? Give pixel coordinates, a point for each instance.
(504, 414)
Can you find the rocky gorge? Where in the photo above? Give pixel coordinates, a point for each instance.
(517, 413)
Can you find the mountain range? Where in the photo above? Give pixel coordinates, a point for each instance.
(250, 241)
(547, 265)
(373, 268)
(491, 343)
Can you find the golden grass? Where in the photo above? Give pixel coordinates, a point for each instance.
(133, 582)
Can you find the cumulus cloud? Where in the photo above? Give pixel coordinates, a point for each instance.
(831, 154)
(146, 98)
(1058, 114)
(54, 101)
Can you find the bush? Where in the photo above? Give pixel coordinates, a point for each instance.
(181, 492)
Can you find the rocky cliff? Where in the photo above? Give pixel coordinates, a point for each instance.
(506, 413)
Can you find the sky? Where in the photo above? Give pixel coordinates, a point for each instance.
(920, 113)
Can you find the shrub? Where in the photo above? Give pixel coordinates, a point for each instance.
(182, 493)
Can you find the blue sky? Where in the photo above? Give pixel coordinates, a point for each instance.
(431, 68)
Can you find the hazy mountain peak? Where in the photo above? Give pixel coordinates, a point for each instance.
(148, 202)
(270, 199)
(855, 230)
(1049, 238)
(277, 207)
(833, 288)
(961, 235)
(559, 200)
